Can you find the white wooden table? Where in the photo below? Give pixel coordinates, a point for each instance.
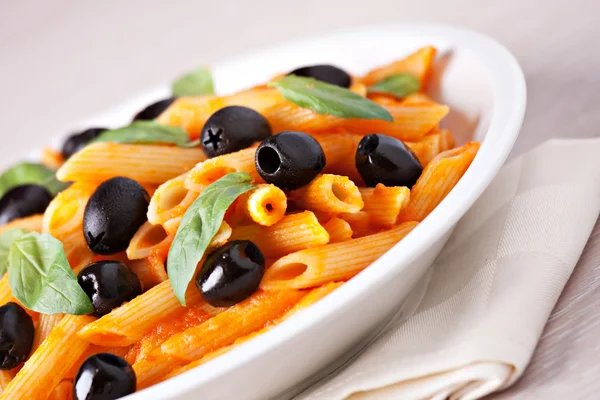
(64, 60)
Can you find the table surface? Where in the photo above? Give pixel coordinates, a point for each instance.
(62, 61)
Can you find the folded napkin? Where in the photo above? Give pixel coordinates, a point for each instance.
(478, 315)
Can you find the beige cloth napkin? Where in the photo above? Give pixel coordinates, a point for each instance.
(479, 314)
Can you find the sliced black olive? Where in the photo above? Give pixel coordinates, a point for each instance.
(325, 73)
(108, 284)
(231, 129)
(104, 376)
(78, 141)
(384, 159)
(289, 160)
(113, 214)
(23, 201)
(16, 335)
(231, 274)
(154, 110)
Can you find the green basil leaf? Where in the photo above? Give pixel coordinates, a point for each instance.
(324, 98)
(30, 173)
(196, 83)
(6, 240)
(41, 279)
(148, 132)
(199, 225)
(400, 85)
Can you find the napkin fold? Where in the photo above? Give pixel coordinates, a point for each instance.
(479, 313)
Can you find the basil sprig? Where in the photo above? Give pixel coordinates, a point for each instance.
(399, 85)
(199, 225)
(6, 240)
(324, 98)
(30, 173)
(145, 132)
(195, 83)
(40, 277)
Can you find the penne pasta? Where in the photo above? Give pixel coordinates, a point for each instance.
(6, 376)
(338, 229)
(339, 149)
(150, 271)
(62, 391)
(294, 232)
(149, 240)
(383, 204)
(147, 164)
(437, 180)
(46, 323)
(431, 145)
(49, 363)
(418, 63)
(170, 200)
(265, 205)
(359, 222)
(331, 194)
(32, 223)
(332, 262)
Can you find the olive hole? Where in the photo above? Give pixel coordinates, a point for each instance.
(268, 160)
(369, 144)
(254, 254)
(288, 271)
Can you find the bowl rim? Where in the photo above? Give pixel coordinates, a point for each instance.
(509, 102)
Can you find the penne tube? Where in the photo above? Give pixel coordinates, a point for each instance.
(294, 232)
(329, 193)
(172, 225)
(431, 145)
(7, 297)
(215, 168)
(147, 164)
(418, 64)
(332, 262)
(64, 214)
(52, 159)
(6, 376)
(339, 149)
(127, 324)
(437, 180)
(62, 391)
(359, 222)
(265, 205)
(50, 362)
(32, 223)
(383, 204)
(170, 200)
(150, 271)
(338, 229)
(46, 323)
(149, 240)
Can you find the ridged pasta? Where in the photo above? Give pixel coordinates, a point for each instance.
(383, 204)
(265, 205)
(294, 232)
(149, 240)
(431, 145)
(418, 63)
(437, 180)
(52, 159)
(339, 148)
(62, 391)
(329, 193)
(360, 223)
(332, 262)
(150, 271)
(46, 323)
(170, 200)
(149, 164)
(338, 229)
(32, 223)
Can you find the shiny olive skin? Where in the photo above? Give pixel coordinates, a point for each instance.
(289, 160)
(384, 159)
(231, 274)
(78, 141)
(325, 73)
(23, 201)
(231, 129)
(108, 284)
(113, 214)
(16, 335)
(154, 110)
(104, 376)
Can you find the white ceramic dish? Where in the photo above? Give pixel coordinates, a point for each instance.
(485, 89)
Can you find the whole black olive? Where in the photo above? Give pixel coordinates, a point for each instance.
(231, 274)
(384, 159)
(16, 335)
(231, 129)
(108, 284)
(78, 141)
(104, 376)
(23, 201)
(325, 73)
(113, 214)
(154, 110)
(289, 160)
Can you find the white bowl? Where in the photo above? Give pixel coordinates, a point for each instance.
(485, 89)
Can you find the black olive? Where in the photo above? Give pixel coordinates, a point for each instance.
(325, 73)
(231, 129)
(78, 141)
(154, 110)
(104, 376)
(108, 284)
(231, 273)
(289, 159)
(16, 335)
(23, 201)
(113, 215)
(384, 159)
